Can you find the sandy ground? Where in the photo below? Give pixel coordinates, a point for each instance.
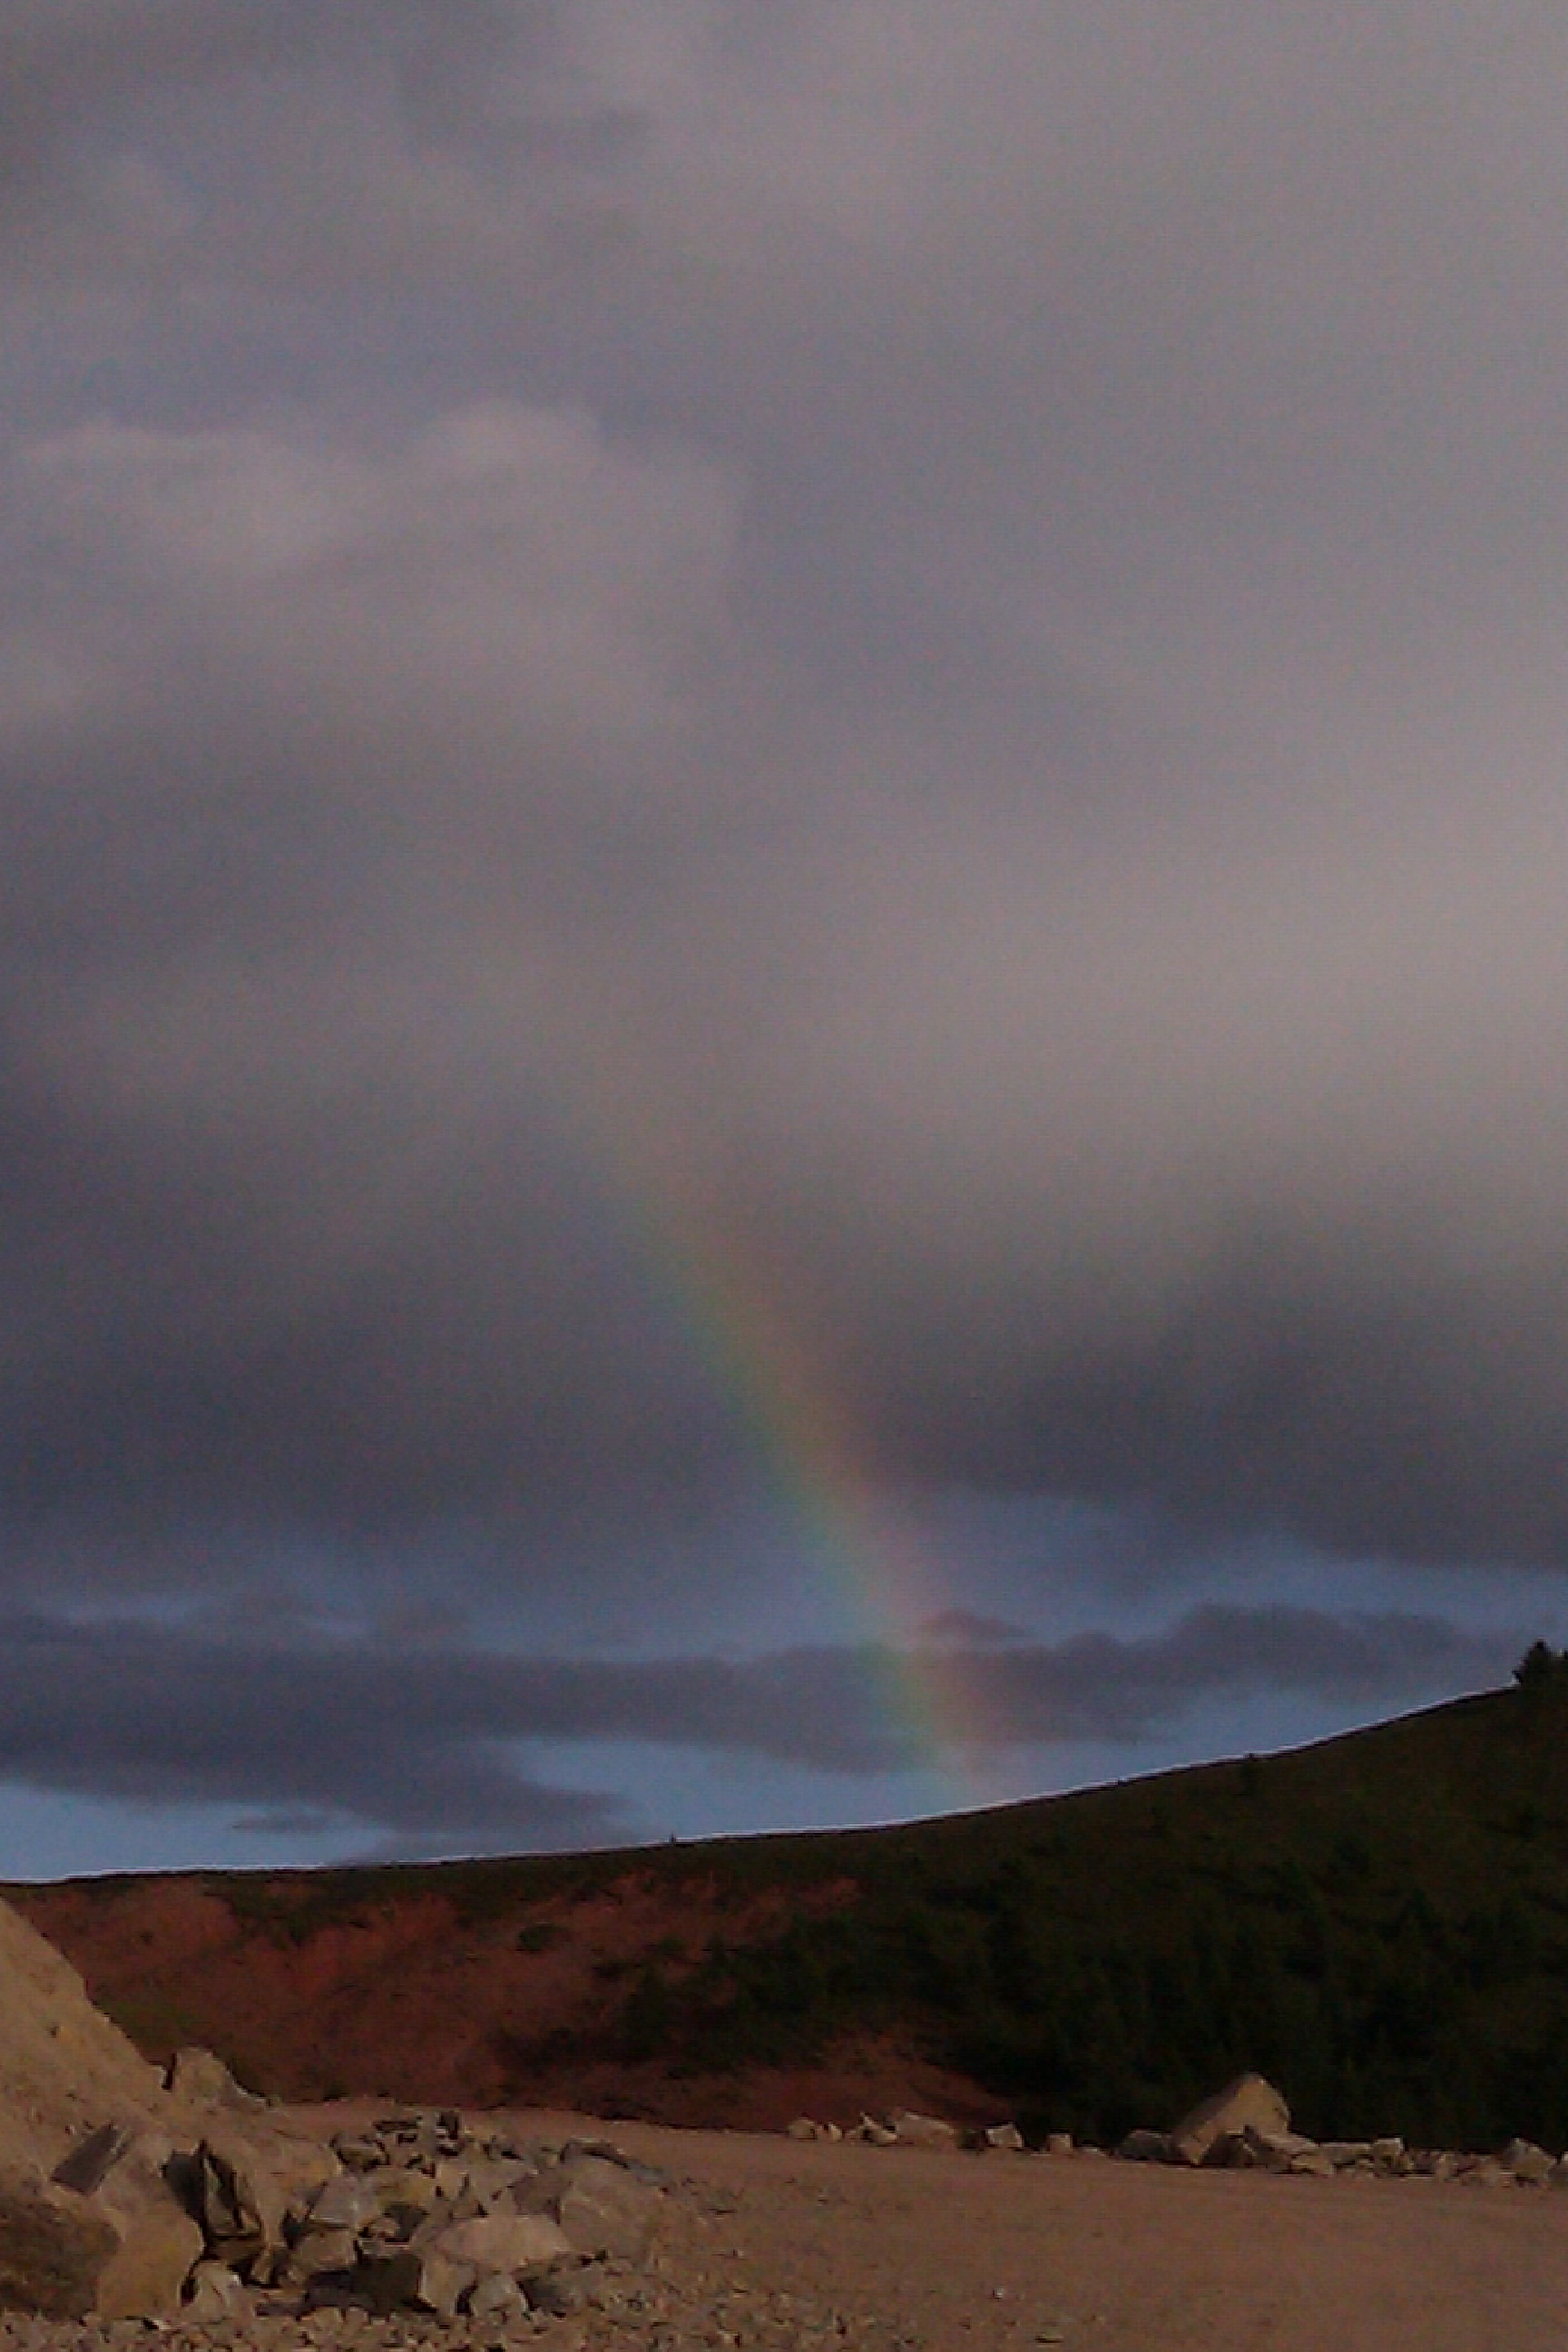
(964, 2253)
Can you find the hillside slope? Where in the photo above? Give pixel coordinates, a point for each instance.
(1380, 1922)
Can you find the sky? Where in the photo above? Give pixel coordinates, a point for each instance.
(782, 862)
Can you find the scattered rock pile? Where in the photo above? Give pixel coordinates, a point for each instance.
(1247, 2126)
(425, 2215)
(1244, 2127)
(416, 2215)
(901, 2128)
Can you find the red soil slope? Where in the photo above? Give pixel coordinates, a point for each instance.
(405, 1999)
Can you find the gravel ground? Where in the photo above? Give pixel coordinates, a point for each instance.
(772, 2245)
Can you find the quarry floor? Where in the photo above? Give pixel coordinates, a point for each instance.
(956, 2253)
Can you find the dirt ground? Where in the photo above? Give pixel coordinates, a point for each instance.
(953, 2252)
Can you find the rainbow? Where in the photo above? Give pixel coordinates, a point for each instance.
(935, 1701)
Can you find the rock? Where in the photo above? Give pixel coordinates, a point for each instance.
(1058, 2143)
(496, 2295)
(389, 2280)
(1486, 2172)
(1345, 2152)
(1283, 2151)
(159, 2241)
(602, 2210)
(560, 2293)
(1140, 2147)
(246, 2186)
(1387, 2154)
(1247, 2100)
(213, 2295)
(910, 2130)
(873, 2134)
(144, 2278)
(320, 2251)
(347, 2201)
(1528, 2163)
(1314, 2163)
(502, 2242)
(1558, 2175)
(199, 2078)
(1004, 2135)
(804, 2128)
(442, 2284)
(491, 2180)
(122, 2251)
(405, 2195)
(92, 2159)
(54, 2246)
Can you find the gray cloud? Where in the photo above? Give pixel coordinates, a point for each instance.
(906, 682)
(417, 1747)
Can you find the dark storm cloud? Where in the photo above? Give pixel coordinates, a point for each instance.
(914, 665)
(415, 1746)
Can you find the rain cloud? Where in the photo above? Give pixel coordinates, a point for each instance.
(888, 682)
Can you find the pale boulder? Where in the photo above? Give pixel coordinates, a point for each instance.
(911, 2130)
(199, 2078)
(1249, 2100)
(502, 2242)
(603, 2210)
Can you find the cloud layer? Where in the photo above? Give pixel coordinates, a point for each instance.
(436, 1748)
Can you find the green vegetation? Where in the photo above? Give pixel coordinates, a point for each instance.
(1380, 1923)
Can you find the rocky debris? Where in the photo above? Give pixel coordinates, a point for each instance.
(422, 2215)
(1246, 2127)
(430, 2217)
(902, 2127)
(1248, 2101)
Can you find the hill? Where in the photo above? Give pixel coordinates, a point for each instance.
(1379, 1922)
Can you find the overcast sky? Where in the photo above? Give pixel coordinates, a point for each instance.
(783, 882)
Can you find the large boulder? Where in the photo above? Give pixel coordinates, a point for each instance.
(1249, 2102)
(501, 2242)
(120, 2245)
(911, 2130)
(54, 2245)
(603, 2210)
(250, 2187)
(199, 2078)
